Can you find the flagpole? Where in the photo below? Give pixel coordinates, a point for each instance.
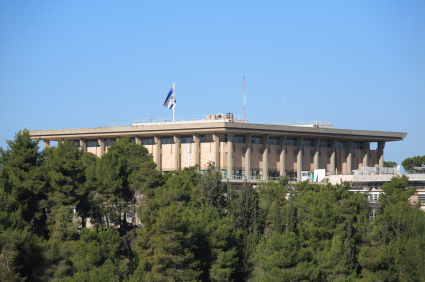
(174, 100)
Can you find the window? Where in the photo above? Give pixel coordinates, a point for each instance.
(109, 142)
(186, 139)
(357, 145)
(92, 143)
(421, 197)
(167, 140)
(238, 174)
(239, 139)
(340, 144)
(148, 141)
(308, 142)
(274, 174)
(274, 140)
(201, 138)
(325, 143)
(133, 139)
(257, 140)
(130, 213)
(291, 142)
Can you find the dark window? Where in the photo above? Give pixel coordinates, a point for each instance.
(357, 145)
(92, 143)
(133, 139)
(167, 140)
(257, 140)
(291, 142)
(325, 143)
(148, 141)
(239, 139)
(186, 139)
(274, 140)
(202, 138)
(341, 144)
(308, 142)
(109, 142)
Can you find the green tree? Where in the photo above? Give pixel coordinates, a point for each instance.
(23, 185)
(67, 178)
(390, 164)
(409, 163)
(124, 173)
(213, 189)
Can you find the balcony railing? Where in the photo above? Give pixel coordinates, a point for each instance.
(258, 177)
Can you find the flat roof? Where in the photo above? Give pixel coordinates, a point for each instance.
(217, 127)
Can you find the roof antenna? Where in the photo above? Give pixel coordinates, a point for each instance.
(244, 99)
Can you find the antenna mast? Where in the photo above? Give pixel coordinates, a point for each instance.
(244, 98)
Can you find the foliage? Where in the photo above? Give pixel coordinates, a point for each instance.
(390, 164)
(409, 163)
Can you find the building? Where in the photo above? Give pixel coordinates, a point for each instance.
(242, 150)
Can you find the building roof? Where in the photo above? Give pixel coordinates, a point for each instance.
(223, 126)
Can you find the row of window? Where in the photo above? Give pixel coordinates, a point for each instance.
(236, 139)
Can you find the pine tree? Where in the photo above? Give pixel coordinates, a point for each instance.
(213, 189)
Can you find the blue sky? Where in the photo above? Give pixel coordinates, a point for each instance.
(72, 64)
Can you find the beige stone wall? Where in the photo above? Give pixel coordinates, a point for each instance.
(256, 157)
(167, 156)
(374, 160)
(274, 157)
(341, 160)
(238, 156)
(308, 160)
(223, 155)
(291, 158)
(324, 158)
(206, 151)
(357, 158)
(92, 150)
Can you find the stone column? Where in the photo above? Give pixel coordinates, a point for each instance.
(196, 149)
(349, 155)
(265, 156)
(248, 155)
(216, 152)
(333, 155)
(46, 144)
(138, 140)
(381, 146)
(176, 152)
(299, 157)
(316, 152)
(101, 148)
(83, 144)
(157, 152)
(282, 167)
(230, 155)
(366, 151)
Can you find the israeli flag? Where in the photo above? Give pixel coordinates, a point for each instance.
(170, 101)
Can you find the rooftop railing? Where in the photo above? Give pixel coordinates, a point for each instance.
(299, 122)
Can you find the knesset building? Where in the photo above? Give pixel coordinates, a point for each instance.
(241, 150)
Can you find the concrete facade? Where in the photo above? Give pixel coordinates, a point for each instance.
(214, 142)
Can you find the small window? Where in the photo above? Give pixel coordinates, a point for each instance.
(257, 140)
(186, 139)
(308, 142)
(92, 143)
(291, 142)
(325, 143)
(357, 145)
(274, 140)
(133, 139)
(202, 138)
(421, 197)
(341, 144)
(167, 140)
(109, 142)
(148, 141)
(239, 139)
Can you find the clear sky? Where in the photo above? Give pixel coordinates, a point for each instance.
(73, 64)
